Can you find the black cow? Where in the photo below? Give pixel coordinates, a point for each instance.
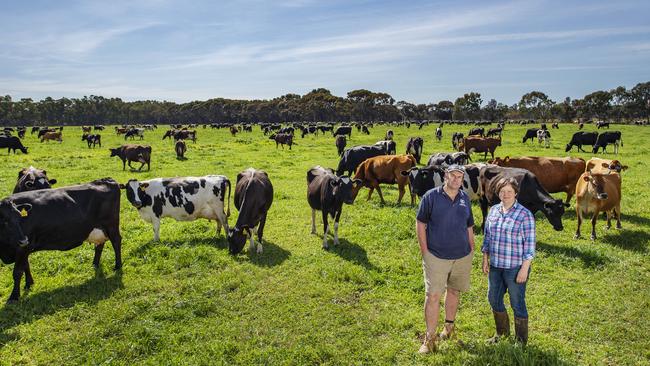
(322, 128)
(288, 130)
(422, 180)
(456, 138)
(343, 130)
(340, 142)
(308, 130)
(603, 124)
(438, 133)
(531, 193)
(354, 156)
(479, 131)
(12, 143)
(389, 135)
(180, 149)
(605, 138)
(414, 147)
(460, 158)
(132, 133)
(555, 125)
(282, 139)
(31, 179)
(253, 198)
(582, 138)
(58, 219)
(531, 133)
(94, 139)
(494, 132)
(21, 133)
(326, 193)
(130, 153)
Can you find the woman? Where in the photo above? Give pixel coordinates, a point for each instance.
(508, 249)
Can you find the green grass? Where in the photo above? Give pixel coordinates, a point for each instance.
(185, 300)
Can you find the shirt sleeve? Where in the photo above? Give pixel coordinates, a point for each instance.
(528, 228)
(424, 211)
(485, 248)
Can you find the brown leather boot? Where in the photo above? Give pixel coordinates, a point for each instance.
(502, 324)
(521, 330)
(447, 331)
(430, 343)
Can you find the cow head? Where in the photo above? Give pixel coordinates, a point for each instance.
(115, 152)
(596, 185)
(615, 165)
(345, 189)
(10, 217)
(553, 210)
(237, 239)
(424, 179)
(135, 192)
(30, 179)
(568, 148)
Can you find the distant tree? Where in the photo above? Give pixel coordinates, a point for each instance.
(535, 105)
(468, 106)
(598, 104)
(564, 111)
(640, 102)
(444, 110)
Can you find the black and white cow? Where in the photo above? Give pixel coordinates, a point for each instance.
(132, 133)
(460, 158)
(494, 132)
(31, 179)
(438, 133)
(456, 138)
(92, 139)
(253, 199)
(327, 193)
(602, 124)
(389, 135)
(354, 156)
(605, 138)
(545, 137)
(582, 138)
(389, 146)
(181, 198)
(58, 219)
(478, 131)
(531, 134)
(422, 180)
(414, 147)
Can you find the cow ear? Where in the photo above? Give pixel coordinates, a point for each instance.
(21, 173)
(23, 209)
(122, 186)
(52, 181)
(335, 183)
(624, 167)
(144, 185)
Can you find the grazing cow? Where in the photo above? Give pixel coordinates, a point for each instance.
(307, 130)
(582, 138)
(120, 130)
(56, 136)
(323, 128)
(181, 198)
(554, 174)
(555, 125)
(384, 169)
(180, 148)
(531, 134)
(603, 124)
(58, 219)
(86, 129)
(364, 129)
(478, 131)
(130, 153)
(354, 156)
(93, 140)
(605, 138)
(34, 129)
(472, 144)
(343, 130)
(532, 194)
(543, 127)
(597, 193)
(282, 139)
(438, 133)
(31, 179)
(234, 130)
(389, 135)
(340, 142)
(326, 193)
(422, 180)
(12, 143)
(99, 127)
(604, 166)
(581, 126)
(456, 138)
(414, 147)
(132, 133)
(545, 137)
(494, 132)
(253, 199)
(181, 135)
(460, 158)
(43, 131)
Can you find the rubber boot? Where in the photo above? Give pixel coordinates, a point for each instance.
(502, 324)
(521, 330)
(447, 331)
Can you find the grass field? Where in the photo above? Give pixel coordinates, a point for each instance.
(186, 300)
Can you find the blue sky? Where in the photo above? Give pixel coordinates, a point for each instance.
(419, 51)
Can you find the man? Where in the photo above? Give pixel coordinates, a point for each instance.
(445, 233)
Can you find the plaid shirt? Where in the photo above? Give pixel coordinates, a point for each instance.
(509, 237)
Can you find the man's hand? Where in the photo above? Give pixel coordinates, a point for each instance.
(486, 264)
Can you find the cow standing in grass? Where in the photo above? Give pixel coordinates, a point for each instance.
(180, 148)
(340, 144)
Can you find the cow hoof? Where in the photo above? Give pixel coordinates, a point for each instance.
(593, 237)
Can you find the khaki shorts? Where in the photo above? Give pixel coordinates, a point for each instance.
(442, 273)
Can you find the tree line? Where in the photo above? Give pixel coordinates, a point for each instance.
(319, 105)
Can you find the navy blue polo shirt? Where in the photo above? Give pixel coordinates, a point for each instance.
(447, 222)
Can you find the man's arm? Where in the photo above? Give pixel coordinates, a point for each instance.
(470, 235)
(421, 231)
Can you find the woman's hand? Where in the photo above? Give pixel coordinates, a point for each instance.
(522, 275)
(486, 264)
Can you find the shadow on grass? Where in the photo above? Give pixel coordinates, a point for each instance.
(508, 353)
(217, 241)
(635, 219)
(271, 256)
(589, 259)
(353, 253)
(30, 308)
(634, 240)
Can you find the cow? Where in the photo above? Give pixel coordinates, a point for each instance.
(543, 127)
(438, 134)
(327, 193)
(120, 130)
(58, 219)
(99, 127)
(581, 126)
(478, 131)
(604, 166)
(181, 135)
(56, 136)
(414, 147)
(180, 149)
(340, 144)
(130, 153)
(181, 198)
(323, 128)
(605, 138)
(12, 143)
(459, 158)
(354, 156)
(555, 125)
(597, 193)
(479, 144)
(86, 129)
(389, 146)
(422, 180)
(581, 138)
(234, 130)
(602, 124)
(307, 130)
(93, 139)
(34, 129)
(364, 129)
(384, 169)
(531, 134)
(31, 179)
(343, 130)
(494, 132)
(545, 137)
(132, 133)
(532, 194)
(456, 138)
(554, 174)
(282, 139)
(287, 130)
(253, 199)
(389, 135)
(43, 131)
(21, 133)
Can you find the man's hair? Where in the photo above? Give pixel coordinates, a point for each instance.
(512, 182)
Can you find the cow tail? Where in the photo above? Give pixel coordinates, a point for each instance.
(228, 210)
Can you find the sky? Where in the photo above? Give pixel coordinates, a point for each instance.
(418, 51)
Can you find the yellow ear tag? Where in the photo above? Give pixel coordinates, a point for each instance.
(23, 213)
(142, 188)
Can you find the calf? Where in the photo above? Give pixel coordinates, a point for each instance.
(494, 132)
(253, 199)
(605, 138)
(326, 193)
(130, 153)
(180, 148)
(340, 144)
(182, 198)
(581, 138)
(531, 134)
(354, 156)
(56, 136)
(31, 179)
(596, 193)
(385, 169)
(12, 143)
(282, 139)
(58, 219)
(414, 147)
(93, 140)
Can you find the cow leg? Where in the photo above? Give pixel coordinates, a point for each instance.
(618, 216)
(123, 164)
(594, 218)
(313, 221)
(609, 214)
(325, 228)
(484, 210)
(401, 194)
(579, 217)
(19, 268)
(251, 247)
(222, 220)
(156, 229)
(98, 254)
(29, 280)
(336, 226)
(115, 237)
(381, 196)
(580, 148)
(141, 165)
(370, 189)
(260, 229)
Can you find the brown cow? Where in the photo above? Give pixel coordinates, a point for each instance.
(120, 130)
(139, 153)
(597, 193)
(604, 166)
(85, 129)
(554, 174)
(384, 169)
(479, 144)
(233, 130)
(52, 136)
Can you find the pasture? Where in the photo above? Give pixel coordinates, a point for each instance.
(186, 300)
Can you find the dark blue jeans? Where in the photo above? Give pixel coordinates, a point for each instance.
(501, 280)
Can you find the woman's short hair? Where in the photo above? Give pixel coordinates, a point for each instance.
(512, 182)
